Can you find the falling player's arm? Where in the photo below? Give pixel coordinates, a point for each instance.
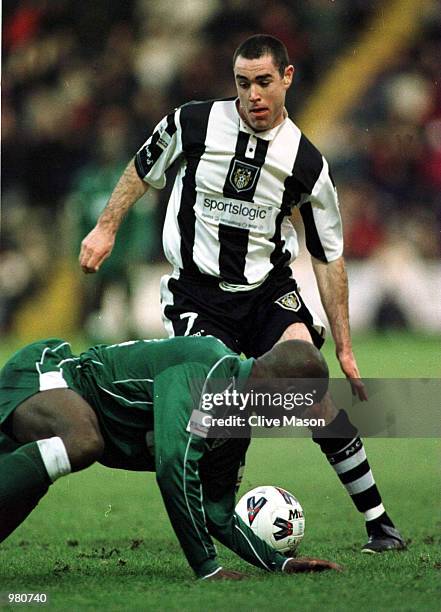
(177, 453)
(146, 169)
(192, 514)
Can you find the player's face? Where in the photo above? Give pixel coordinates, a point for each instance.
(261, 91)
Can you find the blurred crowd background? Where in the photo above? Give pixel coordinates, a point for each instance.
(84, 84)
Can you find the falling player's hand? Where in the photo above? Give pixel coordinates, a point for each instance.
(351, 371)
(95, 248)
(310, 564)
(224, 574)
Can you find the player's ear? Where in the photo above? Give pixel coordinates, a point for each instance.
(288, 75)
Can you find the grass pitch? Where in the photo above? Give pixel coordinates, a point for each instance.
(100, 540)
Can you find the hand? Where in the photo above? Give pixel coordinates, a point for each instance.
(350, 369)
(310, 564)
(95, 248)
(224, 574)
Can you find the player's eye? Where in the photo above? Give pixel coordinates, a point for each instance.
(243, 84)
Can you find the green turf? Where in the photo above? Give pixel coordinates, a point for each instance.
(393, 355)
(100, 540)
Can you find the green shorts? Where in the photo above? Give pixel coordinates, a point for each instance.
(36, 367)
(50, 364)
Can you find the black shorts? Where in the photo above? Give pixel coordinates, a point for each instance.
(248, 322)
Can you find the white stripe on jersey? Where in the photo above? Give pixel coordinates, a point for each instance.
(171, 236)
(167, 300)
(221, 132)
(327, 223)
(290, 171)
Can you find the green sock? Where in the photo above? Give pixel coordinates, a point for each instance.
(23, 482)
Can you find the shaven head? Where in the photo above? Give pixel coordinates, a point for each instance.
(292, 359)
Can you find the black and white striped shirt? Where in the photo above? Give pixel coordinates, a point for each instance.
(228, 213)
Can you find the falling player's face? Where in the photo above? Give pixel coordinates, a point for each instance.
(261, 91)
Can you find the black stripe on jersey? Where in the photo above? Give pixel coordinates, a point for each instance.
(232, 253)
(306, 170)
(307, 167)
(149, 154)
(305, 173)
(240, 184)
(194, 122)
(279, 257)
(243, 173)
(312, 237)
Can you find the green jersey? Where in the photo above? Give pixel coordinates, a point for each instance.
(144, 393)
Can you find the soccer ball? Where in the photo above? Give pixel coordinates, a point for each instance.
(274, 515)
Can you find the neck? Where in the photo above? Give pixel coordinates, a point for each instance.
(258, 370)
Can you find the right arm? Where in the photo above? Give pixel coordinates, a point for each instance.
(147, 168)
(98, 244)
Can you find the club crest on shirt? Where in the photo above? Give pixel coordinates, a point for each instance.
(242, 175)
(289, 301)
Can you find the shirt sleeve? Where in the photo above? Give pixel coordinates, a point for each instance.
(161, 149)
(322, 220)
(219, 471)
(317, 199)
(177, 455)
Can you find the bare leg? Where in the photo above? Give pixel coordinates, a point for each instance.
(58, 431)
(63, 413)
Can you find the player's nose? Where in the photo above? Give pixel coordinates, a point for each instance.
(254, 93)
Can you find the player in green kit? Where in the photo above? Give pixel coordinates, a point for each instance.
(130, 406)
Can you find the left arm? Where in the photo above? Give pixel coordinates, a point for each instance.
(320, 212)
(332, 283)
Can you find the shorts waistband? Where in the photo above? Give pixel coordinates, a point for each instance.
(206, 280)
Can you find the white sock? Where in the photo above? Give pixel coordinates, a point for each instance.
(54, 456)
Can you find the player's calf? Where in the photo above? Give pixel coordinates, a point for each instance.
(58, 432)
(344, 450)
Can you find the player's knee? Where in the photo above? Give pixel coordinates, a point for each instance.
(296, 331)
(84, 441)
(84, 448)
(93, 448)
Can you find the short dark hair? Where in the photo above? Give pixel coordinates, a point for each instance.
(262, 44)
